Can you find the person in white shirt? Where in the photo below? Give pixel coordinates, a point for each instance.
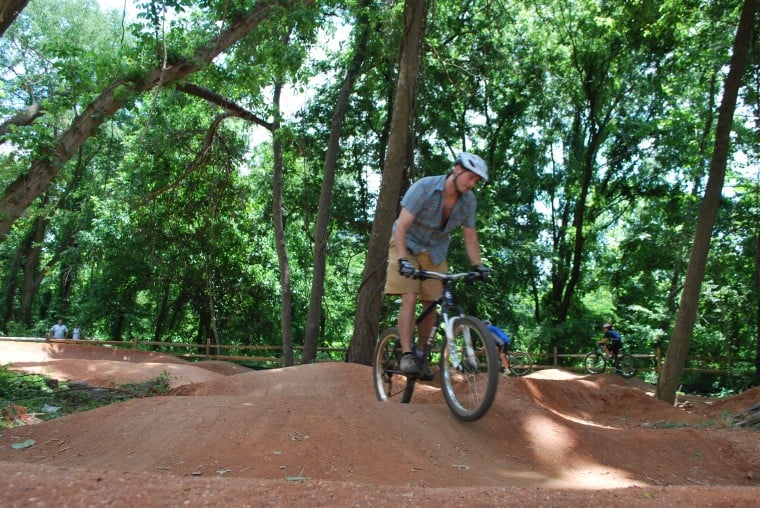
(76, 334)
(59, 330)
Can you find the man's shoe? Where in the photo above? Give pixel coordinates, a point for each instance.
(427, 372)
(408, 364)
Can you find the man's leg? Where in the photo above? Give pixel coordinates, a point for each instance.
(425, 327)
(406, 321)
(408, 363)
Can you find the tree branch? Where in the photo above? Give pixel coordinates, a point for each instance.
(231, 107)
(24, 190)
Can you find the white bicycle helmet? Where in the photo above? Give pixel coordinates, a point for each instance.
(474, 163)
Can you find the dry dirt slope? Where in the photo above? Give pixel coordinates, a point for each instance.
(315, 435)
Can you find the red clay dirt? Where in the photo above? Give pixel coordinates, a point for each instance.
(315, 435)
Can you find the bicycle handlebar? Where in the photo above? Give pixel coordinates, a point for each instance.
(447, 277)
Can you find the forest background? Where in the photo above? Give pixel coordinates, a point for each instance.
(185, 170)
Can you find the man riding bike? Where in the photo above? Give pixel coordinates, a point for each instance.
(430, 210)
(612, 342)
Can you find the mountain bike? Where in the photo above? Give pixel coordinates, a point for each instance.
(597, 362)
(461, 344)
(520, 362)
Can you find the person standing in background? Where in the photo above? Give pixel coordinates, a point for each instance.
(59, 330)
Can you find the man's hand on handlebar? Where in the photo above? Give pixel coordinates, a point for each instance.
(405, 268)
(483, 271)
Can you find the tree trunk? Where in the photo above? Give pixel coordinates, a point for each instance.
(162, 312)
(325, 197)
(756, 377)
(286, 289)
(11, 283)
(24, 190)
(9, 10)
(32, 277)
(675, 358)
(397, 160)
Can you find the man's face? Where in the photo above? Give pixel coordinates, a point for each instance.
(465, 180)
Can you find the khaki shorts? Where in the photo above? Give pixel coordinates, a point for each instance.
(397, 284)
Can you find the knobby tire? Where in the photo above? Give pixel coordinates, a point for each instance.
(594, 363)
(626, 366)
(389, 382)
(470, 393)
(520, 363)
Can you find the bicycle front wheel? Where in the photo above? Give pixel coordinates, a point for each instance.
(520, 363)
(594, 363)
(469, 369)
(626, 366)
(390, 383)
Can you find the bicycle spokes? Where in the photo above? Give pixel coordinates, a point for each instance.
(389, 382)
(469, 382)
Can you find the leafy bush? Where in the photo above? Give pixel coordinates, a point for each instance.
(31, 398)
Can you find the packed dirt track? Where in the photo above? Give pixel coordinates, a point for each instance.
(315, 435)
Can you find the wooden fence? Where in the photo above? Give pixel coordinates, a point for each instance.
(257, 354)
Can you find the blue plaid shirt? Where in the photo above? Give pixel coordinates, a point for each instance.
(424, 200)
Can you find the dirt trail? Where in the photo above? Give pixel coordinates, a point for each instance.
(315, 435)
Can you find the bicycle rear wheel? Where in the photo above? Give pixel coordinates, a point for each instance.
(520, 363)
(390, 383)
(594, 363)
(469, 373)
(626, 366)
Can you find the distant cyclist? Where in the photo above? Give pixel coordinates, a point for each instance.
(502, 341)
(611, 341)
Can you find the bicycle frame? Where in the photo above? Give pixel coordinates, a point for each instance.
(449, 312)
(600, 349)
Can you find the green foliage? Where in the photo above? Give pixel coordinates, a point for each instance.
(28, 398)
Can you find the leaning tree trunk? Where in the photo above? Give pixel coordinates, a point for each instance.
(687, 312)
(399, 143)
(17, 197)
(9, 10)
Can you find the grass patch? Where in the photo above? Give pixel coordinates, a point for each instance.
(31, 398)
(665, 425)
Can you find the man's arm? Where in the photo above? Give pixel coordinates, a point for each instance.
(403, 223)
(471, 245)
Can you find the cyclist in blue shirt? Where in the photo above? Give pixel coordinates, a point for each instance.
(430, 210)
(612, 342)
(502, 341)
